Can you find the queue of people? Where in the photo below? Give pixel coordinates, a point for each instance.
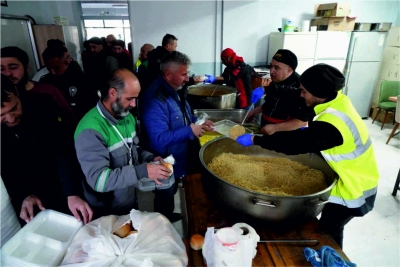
(98, 140)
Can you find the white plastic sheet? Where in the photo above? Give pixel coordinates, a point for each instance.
(156, 244)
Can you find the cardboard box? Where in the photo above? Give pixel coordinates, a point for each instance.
(333, 10)
(381, 116)
(334, 23)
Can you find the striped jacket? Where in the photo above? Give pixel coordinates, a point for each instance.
(104, 158)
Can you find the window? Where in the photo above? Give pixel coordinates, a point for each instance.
(120, 28)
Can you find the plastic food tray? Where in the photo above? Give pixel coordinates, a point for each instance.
(224, 126)
(146, 184)
(41, 242)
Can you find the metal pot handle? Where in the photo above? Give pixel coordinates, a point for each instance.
(261, 202)
(320, 202)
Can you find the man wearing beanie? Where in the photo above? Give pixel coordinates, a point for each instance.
(236, 74)
(100, 64)
(284, 109)
(118, 51)
(338, 134)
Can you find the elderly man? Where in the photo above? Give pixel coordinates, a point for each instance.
(236, 74)
(38, 163)
(142, 61)
(107, 147)
(338, 134)
(169, 124)
(284, 109)
(69, 78)
(109, 39)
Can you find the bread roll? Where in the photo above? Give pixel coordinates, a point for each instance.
(169, 166)
(236, 131)
(125, 230)
(196, 242)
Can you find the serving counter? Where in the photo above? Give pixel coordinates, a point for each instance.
(203, 213)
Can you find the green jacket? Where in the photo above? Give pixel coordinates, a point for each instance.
(104, 158)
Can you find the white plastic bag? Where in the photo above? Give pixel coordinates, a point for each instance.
(156, 244)
(202, 118)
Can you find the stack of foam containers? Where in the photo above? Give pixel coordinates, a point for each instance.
(9, 221)
(42, 242)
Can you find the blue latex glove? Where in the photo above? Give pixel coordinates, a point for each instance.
(326, 256)
(210, 79)
(245, 139)
(257, 94)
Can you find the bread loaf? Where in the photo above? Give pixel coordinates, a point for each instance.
(169, 166)
(196, 242)
(125, 230)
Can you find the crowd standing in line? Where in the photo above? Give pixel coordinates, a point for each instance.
(86, 126)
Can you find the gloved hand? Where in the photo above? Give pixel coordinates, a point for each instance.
(257, 94)
(210, 79)
(245, 139)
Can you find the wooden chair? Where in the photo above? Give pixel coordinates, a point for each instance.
(388, 88)
(396, 118)
(396, 185)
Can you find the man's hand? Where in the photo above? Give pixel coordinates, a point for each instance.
(210, 79)
(245, 139)
(27, 207)
(157, 171)
(198, 130)
(198, 79)
(208, 125)
(269, 129)
(257, 94)
(158, 158)
(76, 204)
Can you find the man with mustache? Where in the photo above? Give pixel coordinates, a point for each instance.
(107, 148)
(14, 64)
(169, 124)
(284, 109)
(38, 164)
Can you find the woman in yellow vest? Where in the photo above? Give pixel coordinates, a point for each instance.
(338, 134)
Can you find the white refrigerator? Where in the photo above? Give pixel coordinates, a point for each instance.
(332, 48)
(362, 68)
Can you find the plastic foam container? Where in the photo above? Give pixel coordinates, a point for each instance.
(224, 126)
(41, 242)
(146, 184)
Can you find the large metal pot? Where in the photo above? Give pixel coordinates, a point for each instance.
(270, 208)
(211, 96)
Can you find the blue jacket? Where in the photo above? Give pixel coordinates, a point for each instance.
(166, 123)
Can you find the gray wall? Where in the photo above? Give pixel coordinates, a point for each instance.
(204, 28)
(44, 12)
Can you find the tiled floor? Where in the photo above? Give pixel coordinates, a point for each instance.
(373, 240)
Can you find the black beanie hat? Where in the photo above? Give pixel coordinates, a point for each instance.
(95, 40)
(322, 80)
(287, 57)
(118, 43)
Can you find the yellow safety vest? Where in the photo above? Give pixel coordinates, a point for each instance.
(354, 161)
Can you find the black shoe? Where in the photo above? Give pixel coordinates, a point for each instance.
(174, 217)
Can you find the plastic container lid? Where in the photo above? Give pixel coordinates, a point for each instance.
(224, 126)
(41, 242)
(146, 184)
